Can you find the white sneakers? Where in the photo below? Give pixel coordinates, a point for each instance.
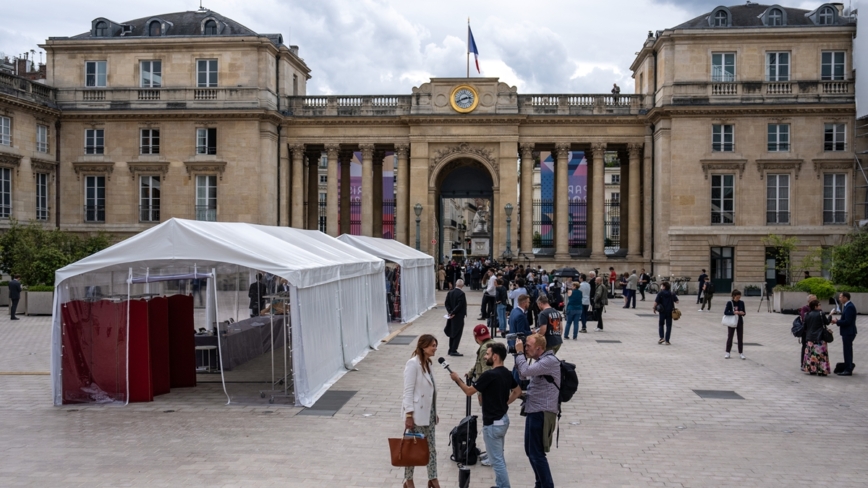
(598, 329)
(726, 356)
(700, 310)
(742, 356)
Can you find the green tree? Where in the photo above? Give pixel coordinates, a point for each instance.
(850, 261)
(783, 249)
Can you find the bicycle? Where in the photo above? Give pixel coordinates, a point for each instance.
(680, 285)
(652, 287)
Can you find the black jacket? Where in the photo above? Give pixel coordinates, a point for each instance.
(456, 304)
(14, 289)
(815, 322)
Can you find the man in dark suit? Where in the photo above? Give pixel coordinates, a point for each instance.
(456, 308)
(14, 295)
(256, 293)
(847, 324)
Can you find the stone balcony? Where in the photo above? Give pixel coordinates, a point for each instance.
(27, 90)
(754, 92)
(245, 98)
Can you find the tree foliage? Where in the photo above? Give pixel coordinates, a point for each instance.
(850, 261)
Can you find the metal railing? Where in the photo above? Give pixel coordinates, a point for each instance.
(578, 225)
(149, 213)
(834, 217)
(389, 220)
(777, 218)
(612, 223)
(322, 215)
(543, 228)
(356, 217)
(206, 213)
(94, 213)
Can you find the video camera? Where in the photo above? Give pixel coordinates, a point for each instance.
(510, 341)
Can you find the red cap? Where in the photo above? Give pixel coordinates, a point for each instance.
(481, 332)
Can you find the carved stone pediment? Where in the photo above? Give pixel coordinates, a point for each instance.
(821, 165)
(723, 164)
(765, 165)
(205, 167)
(42, 166)
(105, 167)
(141, 167)
(464, 149)
(8, 160)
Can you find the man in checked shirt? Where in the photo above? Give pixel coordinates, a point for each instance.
(542, 403)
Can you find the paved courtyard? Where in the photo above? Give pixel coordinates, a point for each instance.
(636, 420)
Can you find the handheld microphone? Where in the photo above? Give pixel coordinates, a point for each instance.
(444, 364)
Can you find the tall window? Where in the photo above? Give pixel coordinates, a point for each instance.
(723, 67)
(155, 29)
(722, 199)
(5, 131)
(152, 74)
(101, 29)
(94, 198)
(94, 141)
(722, 137)
(616, 197)
(210, 28)
(834, 137)
(827, 16)
(779, 137)
(149, 198)
(775, 17)
(778, 199)
(5, 193)
(832, 67)
(321, 213)
(96, 73)
(721, 19)
(206, 141)
(616, 179)
(834, 211)
(206, 73)
(41, 196)
(150, 141)
(777, 66)
(206, 198)
(41, 138)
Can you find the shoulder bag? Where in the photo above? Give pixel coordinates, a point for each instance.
(676, 314)
(827, 335)
(730, 320)
(409, 450)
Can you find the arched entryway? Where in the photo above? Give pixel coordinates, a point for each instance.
(464, 195)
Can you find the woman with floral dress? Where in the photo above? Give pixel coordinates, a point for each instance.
(816, 351)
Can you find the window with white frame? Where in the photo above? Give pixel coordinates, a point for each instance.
(94, 198)
(152, 74)
(827, 16)
(834, 199)
(5, 131)
(206, 141)
(722, 137)
(41, 196)
(721, 18)
(722, 199)
(323, 179)
(834, 137)
(723, 67)
(832, 65)
(5, 193)
(41, 138)
(149, 198)
(775, 17)
(95, 72)
(94, 141)
(206, 73)
(206, 198)
(616, 197)
(616, 179)
(777, 66)
(779, 137)
(777, 199)
(150, 141)
(324, 161)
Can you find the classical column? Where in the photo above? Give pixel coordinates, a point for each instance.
(562, 202)
(345, 157)
(297, 185)
(285, 184)
(379, 155)
(332, 151)
(402, 202)
(367, 189)
(597, 201)
(634, 225)
(312, 180)
(526, 215)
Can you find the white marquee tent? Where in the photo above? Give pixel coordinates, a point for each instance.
(335, 289)
(417, 272)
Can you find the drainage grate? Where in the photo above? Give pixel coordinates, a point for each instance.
(402, 340)
(329, 403)
(718, 395)
(752, 344)
(608, 342)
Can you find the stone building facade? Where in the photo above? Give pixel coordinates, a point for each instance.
(742, 124)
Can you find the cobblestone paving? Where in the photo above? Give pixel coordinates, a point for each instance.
(635, 421)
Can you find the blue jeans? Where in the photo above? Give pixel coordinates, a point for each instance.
(501, 317)
(665, 319)
(494, 436)
(536, 454)
(573, 317)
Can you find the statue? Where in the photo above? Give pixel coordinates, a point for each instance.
(480, 222)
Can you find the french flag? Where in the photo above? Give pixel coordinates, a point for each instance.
(471, 48)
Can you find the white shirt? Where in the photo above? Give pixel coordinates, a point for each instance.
(492, 284)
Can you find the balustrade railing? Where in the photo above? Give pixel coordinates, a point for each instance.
(779, 88)
(836, 87)
(724, 89)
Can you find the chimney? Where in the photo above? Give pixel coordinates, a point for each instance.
(294, 50)
(20, 66)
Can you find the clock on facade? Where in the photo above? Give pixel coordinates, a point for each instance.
(464, 99)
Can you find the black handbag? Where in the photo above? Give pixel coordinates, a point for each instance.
(827, 335)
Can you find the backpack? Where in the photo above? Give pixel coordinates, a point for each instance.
(569, 382)
(798, 327)
(709, 287)
(464, 450)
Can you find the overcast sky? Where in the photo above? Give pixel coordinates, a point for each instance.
(388, 46)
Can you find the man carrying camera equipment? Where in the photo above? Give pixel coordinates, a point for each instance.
(497, 390)
(542, 403)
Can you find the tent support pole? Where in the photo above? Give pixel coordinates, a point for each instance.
(219, 343)
(129, 285)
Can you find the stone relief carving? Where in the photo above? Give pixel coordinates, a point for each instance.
(465, 149)
(93, 167)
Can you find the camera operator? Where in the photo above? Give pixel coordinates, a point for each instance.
(542, 403)
(497, 390)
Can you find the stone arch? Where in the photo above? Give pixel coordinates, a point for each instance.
(446, 160)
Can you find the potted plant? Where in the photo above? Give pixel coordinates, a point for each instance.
(39, 300)
(752, 291)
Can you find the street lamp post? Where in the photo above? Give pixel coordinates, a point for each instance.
(418, 210)
(507, 256)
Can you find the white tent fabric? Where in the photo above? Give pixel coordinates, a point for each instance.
(335, 288)
(417, 272)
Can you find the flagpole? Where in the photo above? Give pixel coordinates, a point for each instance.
(468, 47)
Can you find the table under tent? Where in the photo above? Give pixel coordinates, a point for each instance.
(124, 330)
(413, 291)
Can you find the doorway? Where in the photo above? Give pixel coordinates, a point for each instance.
(465, 203)
(722, 266)
(774, 276)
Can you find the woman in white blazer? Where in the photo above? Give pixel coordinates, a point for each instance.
(420, 403)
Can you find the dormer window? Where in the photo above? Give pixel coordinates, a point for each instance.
(721, 18)
(210, 28)
(155, 29)
(101, 29)
(827, 16)
(775, 17)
